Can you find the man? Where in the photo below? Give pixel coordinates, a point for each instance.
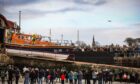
(70, 77)
(75, 77)
(41, 75)
(2, 75)
(17, 74)
(26, 75)
(10, 74)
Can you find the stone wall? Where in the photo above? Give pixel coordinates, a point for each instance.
(4, 58)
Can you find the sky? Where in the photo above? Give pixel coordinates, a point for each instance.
(110, 21)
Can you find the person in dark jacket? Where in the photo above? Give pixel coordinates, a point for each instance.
(36, 74)
(46, 75)
(100, 77)
(17, 75)
(10, 75)
(40, 75)
(32, 76)
(88, 77)
(2, 75)
(52, 74)
(136, 78)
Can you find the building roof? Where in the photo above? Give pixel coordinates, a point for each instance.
(9, 24)
(4, 19)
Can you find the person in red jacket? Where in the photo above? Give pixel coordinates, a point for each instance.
(62, 78)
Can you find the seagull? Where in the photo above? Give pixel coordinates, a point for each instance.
(109, 20)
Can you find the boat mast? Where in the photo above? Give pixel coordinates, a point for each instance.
(50, 34)
(61, 38)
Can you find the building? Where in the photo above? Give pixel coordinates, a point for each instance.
(3, 27)
(7, 27)
(93, 42)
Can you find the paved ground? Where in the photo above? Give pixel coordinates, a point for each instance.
(83, 82)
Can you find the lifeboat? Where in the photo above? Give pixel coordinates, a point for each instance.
(35, 46)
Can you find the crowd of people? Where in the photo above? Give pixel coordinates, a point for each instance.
(121, 50)
(34, 75)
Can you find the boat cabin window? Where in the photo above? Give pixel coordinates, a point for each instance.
(18, 37)
(22, 37)
(55, 50)
(26, 37)
(29, 38)
(60, 50)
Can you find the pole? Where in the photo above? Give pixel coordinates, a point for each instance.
(61, 38)
(19, 19)
(78, 38)
(78, 35)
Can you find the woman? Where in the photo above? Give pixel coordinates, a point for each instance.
(94, 77)
(62, 78)
(80, 77)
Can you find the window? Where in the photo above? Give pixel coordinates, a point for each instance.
(19, 37)
(60, 50)
(55, 50)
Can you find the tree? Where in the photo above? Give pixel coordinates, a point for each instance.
(81, 44)
(97, 43)
(137, 40)
(130, 41)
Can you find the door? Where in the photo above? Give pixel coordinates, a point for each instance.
(1, 39)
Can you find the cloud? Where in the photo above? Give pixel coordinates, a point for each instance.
(31, 14)
(136, 24)
(17, 2)
(37, 8)
(91, 2)
(32, 9)
(2, 9)
(67, 15)
(65, 5)
(23, 2)
(66, 10)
